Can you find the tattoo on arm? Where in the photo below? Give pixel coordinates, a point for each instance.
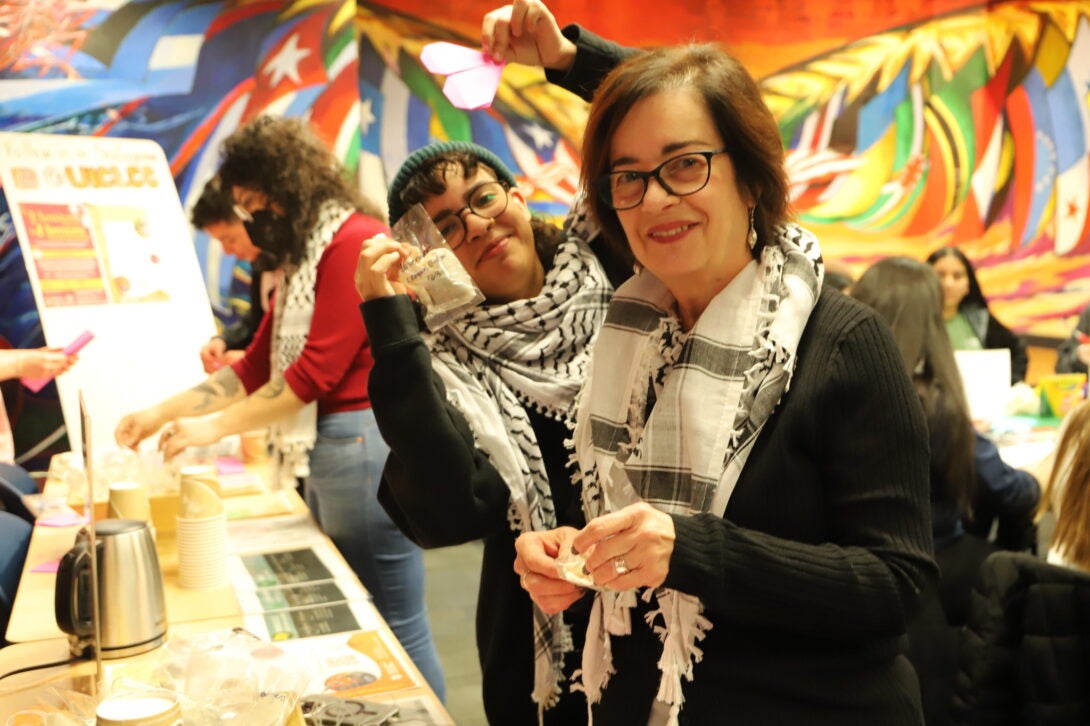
(272, 389)
(221, 384)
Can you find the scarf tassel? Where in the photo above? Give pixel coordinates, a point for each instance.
(683, 627)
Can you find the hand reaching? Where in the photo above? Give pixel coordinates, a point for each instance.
(213, 354)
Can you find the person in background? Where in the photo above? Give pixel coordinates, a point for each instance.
(758, 550)
(838, 276)
(969, 322)
(30, 363)
(1073, 355)
(214, 213)
(971, 486)
(1067, 493)
(305, 373)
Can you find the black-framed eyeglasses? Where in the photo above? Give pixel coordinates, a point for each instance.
(487, 200)
(679, 175)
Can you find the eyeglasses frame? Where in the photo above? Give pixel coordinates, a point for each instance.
(603, 185)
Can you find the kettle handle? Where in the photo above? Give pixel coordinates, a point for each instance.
(72, 596)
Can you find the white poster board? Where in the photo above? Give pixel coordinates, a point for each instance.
(986, 377)
(108, 250)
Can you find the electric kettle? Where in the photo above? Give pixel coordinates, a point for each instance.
(130, 589)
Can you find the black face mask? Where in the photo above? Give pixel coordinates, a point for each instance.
(270, 233)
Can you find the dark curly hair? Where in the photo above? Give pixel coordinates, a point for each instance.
(214, 205)
(283, 159)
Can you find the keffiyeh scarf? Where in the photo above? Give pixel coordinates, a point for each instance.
(293, 438)
(498, 361)
(669, 417)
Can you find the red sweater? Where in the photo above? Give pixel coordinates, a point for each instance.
(336, 360)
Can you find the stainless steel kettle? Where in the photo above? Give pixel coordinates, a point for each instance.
(130, 589)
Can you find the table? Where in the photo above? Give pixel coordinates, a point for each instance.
(37, 639)
(1027, 442)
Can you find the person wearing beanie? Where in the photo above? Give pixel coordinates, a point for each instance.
(476, 414)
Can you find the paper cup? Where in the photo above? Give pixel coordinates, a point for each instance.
(204, 473)
(198, 500)
(255, 446)
(129, 500)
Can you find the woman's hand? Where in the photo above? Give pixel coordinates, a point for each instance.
(377, 268)
(535, 564)
(135, 427)
(213, 354)
(628, 548)
(42, 362)
(186, 432)
(526, 32)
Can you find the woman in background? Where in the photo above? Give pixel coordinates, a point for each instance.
(1067, 493)
(305, 373)
(969, 322)
(971, 486)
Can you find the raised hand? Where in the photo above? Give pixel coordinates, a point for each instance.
(526, 32)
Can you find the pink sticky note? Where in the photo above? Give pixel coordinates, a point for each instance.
(50, 566)
(229, 465)
(36, 384)
(61, 519)
(472, 77)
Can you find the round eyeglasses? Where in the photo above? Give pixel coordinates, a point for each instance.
(679, 175)
(487, 200)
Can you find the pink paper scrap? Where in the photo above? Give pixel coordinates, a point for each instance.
(229, 465)
(48, 566)
(61, 519)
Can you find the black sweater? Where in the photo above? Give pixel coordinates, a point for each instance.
(440, 490)
(824, 546)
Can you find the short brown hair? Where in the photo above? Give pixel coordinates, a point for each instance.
(749, 131)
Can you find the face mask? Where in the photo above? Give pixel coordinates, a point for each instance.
(269, 232)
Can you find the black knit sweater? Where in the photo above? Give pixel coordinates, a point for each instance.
(824, 546)
(440, 490)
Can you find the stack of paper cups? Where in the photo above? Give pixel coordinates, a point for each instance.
(202, 538)
(204, 473)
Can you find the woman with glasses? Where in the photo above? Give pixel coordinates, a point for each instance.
(752, 455)
(476, 414)
(305, 372)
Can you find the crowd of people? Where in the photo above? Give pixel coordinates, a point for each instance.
(709, 471)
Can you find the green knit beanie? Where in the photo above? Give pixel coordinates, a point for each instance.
(419, 158)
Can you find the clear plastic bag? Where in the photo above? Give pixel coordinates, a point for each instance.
(433, 272)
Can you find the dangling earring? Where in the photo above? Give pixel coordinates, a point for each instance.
(752, 237)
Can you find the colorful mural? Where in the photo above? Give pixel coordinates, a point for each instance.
(908, 124)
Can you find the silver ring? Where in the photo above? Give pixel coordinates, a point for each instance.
(619, 566)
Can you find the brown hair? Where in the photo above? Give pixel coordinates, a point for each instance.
(285, 160)
(747, 127)
(906, 293)
(1071, 537)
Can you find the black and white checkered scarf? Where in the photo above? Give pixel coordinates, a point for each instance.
(669, 417)
(500, 360)
(293, 438)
